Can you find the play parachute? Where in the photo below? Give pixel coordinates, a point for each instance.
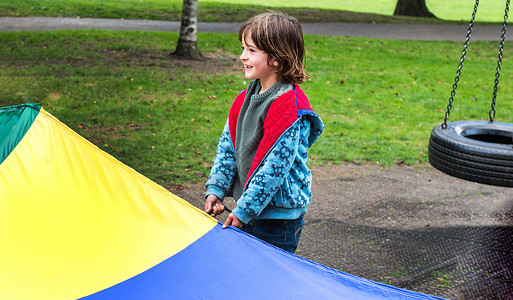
(77, 223)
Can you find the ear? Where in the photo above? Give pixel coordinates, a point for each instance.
(275, 63)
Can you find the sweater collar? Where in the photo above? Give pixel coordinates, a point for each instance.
(273, 90)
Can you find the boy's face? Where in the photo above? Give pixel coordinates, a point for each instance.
(255, 62)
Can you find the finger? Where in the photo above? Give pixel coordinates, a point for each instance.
(208, 206)
(213, 211)
(228, 221)
(220, 208)
(239, 224)
(236, 222)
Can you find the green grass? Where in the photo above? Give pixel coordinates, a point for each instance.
(379, 99)
(238, 11)
(489, 11)
(120, 91)
(443, 278)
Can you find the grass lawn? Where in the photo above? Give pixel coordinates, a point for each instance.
(240, 10)
(379, 99)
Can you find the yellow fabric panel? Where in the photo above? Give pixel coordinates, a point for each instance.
(74, 220)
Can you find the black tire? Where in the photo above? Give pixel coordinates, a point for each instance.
(478, 151)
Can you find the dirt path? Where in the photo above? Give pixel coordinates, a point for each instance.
(432, 32)
(411, 227)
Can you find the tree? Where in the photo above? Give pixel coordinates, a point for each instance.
(187, 46)
(413, 8)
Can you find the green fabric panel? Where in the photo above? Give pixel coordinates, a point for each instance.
(14, 123)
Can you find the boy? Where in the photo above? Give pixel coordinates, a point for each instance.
(263, 151)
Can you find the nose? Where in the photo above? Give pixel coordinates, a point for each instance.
(243, 55)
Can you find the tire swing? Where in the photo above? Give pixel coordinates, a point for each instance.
(478, 151)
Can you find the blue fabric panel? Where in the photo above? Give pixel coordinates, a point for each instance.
(229, 264)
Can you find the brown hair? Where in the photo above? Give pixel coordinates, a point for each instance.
(281, 37)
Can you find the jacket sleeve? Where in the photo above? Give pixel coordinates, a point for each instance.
(223, 172)
(270, 175)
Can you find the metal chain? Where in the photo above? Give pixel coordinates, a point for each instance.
(491, 114)
(460, 66)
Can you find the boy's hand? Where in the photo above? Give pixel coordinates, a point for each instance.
(213, 205)
(233, 220)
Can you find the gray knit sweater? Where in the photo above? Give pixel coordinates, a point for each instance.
(250, 127)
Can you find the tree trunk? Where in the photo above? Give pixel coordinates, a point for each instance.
(413, 8)
(187, 46)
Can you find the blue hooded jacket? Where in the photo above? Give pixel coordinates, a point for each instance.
(278, 185)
